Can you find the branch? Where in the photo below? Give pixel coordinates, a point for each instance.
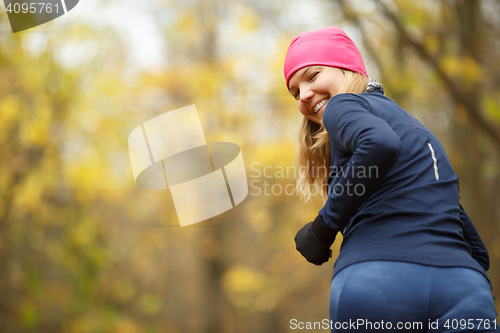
(459, 95)
(352, 16)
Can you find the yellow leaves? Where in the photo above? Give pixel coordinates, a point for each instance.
(29, 314)
(55, 251)
(432, 43)
(419, 15)
(242, 279)
(453, 66)
(260, 220)
(83, 233)
(125, 325)
(123, 289)
(150, 304)
(188, 25)
(248, 20)
(9, 111)
(30, 197)
(35, 118)
(102, 320)
(16, 233)
(492, 106)
(465, 69)
(84, 172)
(249, 290)
(196, 82)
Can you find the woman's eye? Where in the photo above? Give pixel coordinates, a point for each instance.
(314, 75)
(297, 95)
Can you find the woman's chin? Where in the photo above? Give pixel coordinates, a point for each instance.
(319, 115)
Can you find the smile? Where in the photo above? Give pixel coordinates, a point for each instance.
(320, 105)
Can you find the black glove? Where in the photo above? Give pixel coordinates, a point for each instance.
(313, 241)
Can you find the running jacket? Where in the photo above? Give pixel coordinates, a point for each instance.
(392, 192)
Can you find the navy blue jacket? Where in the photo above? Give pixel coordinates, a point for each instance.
(392, 191)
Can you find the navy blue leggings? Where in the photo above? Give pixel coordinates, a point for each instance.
(390, 296)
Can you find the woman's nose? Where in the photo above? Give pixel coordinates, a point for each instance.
(305, 95)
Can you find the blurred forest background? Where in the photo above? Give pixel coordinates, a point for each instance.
(83, 249)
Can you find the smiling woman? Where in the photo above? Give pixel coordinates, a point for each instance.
(313, 144)
(313, 86)
(408, 246)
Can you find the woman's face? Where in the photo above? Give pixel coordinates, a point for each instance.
(313, 87)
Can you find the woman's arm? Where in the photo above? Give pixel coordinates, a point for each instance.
(373, 144)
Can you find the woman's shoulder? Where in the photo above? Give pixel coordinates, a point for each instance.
(374, 103)
(364, 98)
(370, 100)
(347, 102)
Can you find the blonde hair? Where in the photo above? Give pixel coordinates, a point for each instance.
(314, 155)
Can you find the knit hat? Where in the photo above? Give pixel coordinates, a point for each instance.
(328, 46)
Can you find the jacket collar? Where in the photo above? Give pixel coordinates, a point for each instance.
(374, 86)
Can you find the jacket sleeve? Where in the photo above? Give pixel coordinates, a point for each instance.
(472, 238)
(370, 142)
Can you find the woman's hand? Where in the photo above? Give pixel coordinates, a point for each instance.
(313, 241)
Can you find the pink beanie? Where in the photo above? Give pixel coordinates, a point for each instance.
(328, 46)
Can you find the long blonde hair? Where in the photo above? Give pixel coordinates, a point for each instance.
(313, 150)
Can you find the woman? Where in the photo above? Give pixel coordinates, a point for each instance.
(411, 259)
